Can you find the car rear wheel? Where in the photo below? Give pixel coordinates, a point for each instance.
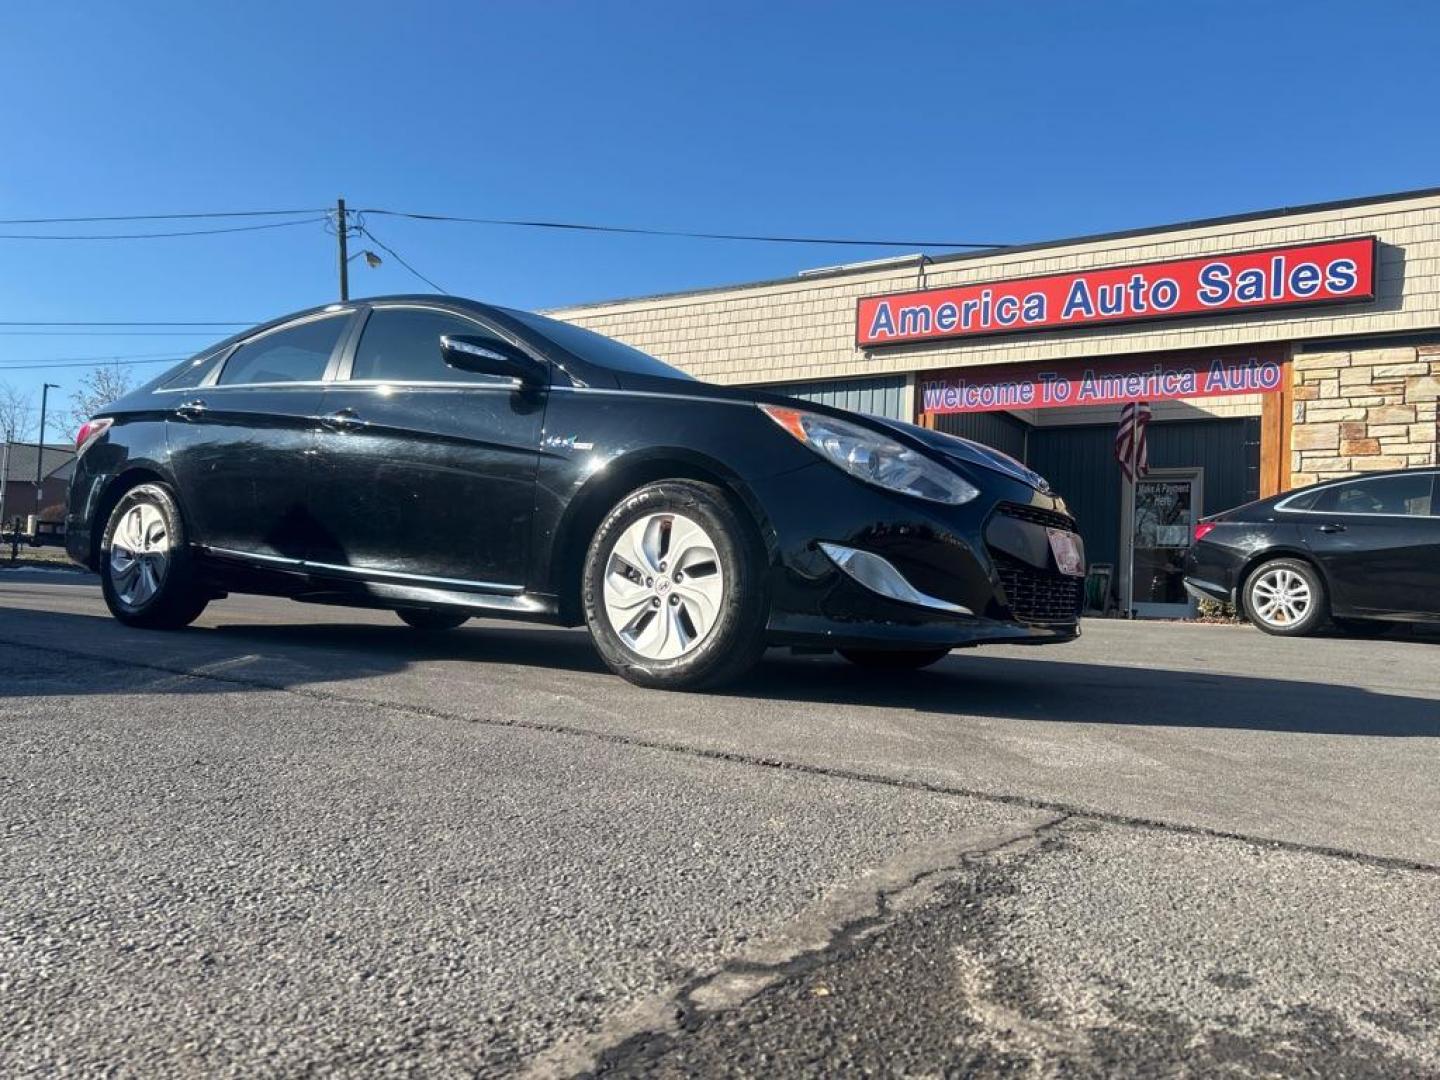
(432, 618)
(674, 588)
(147, 572)
(1285, 597)
(894, 659)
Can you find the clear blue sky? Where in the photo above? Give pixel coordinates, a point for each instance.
(1006, 122)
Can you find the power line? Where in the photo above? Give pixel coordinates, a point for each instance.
(108, 333)
(53, 365)
(132, 322)
(396, 256)
(160, 235)
(162, 217)
(635, 231)
(572, 226)
(107, 357)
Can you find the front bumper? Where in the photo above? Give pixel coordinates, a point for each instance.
(972, 574)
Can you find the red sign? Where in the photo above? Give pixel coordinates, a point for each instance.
(1248, 281)
(1160, 377)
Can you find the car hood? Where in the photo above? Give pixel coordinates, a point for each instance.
(954, 447)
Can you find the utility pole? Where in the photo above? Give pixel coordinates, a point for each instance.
(341, 228)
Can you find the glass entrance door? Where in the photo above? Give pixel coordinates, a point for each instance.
(1167, 506)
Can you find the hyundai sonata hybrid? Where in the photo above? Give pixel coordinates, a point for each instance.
(445, 459)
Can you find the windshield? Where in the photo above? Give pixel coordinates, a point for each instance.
(596, 348)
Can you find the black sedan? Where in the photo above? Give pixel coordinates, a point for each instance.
(1361, 552)
(446, 459)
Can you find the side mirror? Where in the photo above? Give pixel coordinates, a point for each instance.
(491, 356)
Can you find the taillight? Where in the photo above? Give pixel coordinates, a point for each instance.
(1202, 530)
(90, 431)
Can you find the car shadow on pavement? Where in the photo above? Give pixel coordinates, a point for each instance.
(965, 684)
(977, 684)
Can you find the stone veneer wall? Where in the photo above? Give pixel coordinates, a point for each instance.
(1364, 410)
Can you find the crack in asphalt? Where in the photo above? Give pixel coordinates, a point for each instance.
(735, 757)
(708, 994)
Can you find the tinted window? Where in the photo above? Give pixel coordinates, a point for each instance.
(1409, 495)
(596, 348)
(191, 373)
(294, 354)
(403, 345)
(1302, 502)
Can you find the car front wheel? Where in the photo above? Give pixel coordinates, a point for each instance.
(146, 569)
(674, 587)
(1285, 597)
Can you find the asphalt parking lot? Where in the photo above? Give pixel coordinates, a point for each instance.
(302, 840)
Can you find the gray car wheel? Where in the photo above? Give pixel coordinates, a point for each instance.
(147, 572)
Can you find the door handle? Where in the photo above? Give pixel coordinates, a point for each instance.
(191, 409)
(343, 420)
(1331, 528)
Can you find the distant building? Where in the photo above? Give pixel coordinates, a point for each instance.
(56, 466)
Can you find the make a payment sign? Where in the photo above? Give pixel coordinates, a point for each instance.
(1340, 270)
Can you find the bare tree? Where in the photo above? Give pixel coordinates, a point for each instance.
(16, 411)
(98, 387)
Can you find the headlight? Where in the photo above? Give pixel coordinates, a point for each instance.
(869, 456)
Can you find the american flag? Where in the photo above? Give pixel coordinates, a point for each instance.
(1130, 439)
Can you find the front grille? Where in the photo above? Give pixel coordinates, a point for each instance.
(1051, 519)
(1036, 596)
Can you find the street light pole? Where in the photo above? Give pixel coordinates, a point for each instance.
(4, 479)
(40, 449)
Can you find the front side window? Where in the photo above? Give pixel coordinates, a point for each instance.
(297, 353)
(403, 345)
(1407, 496)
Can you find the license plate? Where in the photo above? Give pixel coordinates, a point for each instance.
(1065, 546)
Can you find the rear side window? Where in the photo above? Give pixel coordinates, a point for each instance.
(1407, 496)
(403, 345)
(297, 353)
(192, 373)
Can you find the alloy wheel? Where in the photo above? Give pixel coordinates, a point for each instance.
(1281, 597)
(663, 586)
(139, 555)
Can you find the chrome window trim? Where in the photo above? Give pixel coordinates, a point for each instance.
(500, 383)
(300, 384)
(1282, 505)
(360, 571)
(650, 394)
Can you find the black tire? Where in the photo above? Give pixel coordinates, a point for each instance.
(1289, 622)
(432, 618)
(736, 636)
(894, 659)
(176, 599)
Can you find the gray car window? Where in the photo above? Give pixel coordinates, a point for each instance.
(1407, 495)
(402, 344)
(297, 353)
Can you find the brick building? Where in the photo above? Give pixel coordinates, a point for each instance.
(20, 494)
(1273, 349)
